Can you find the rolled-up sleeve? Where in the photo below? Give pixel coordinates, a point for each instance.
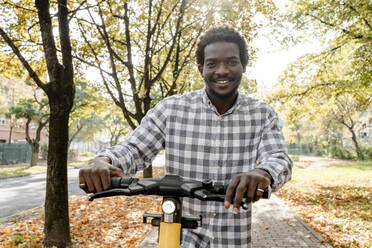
(272, 152)
(138, 150)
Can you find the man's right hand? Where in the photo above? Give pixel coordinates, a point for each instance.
(96, 176)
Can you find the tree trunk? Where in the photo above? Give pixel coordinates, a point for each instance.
(56, 229)
(356, 144)
(147, 173)
(10, 135)
(35, 154)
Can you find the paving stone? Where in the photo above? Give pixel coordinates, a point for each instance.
(286, 229)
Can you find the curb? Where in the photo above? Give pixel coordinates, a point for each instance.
(303, 223)
(316, 235)
(20, 214)
(13, 176)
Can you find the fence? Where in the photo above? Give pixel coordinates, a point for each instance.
(15, 153)
(302, 149)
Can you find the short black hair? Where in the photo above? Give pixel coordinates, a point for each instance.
(221, 33)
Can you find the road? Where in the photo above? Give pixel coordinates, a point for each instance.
(24, 193)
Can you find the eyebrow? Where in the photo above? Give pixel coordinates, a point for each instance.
(229, 58)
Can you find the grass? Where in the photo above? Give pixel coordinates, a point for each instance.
(22, 170)
(336, 201)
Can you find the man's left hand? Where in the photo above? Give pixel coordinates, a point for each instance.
(246, 185)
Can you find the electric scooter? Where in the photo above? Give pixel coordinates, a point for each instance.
(173, 188)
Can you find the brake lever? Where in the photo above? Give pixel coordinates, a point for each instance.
(110, 192)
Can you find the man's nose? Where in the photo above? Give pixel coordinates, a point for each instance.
(222, 69)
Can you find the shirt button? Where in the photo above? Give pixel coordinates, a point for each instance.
(220, 118)
(214, 214)
(212, 238)
(218, 142)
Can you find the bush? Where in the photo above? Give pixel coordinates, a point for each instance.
(338, 151)
(367, 152)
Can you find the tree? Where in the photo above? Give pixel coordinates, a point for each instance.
(83, 120)
(345, 112)
(345, 64)
(311, 85)
(11, 89)
(34, 111)
(20, 30)
(12, 124)
(149, 45)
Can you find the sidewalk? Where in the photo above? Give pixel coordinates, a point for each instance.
(274, 226)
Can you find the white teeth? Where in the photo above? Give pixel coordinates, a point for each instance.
(222, 82)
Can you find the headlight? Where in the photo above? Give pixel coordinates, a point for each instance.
(168, 207)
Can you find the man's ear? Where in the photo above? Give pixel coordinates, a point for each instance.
(200, 68)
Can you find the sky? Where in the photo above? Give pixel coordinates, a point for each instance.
(272, 60)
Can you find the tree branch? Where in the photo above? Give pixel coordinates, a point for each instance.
(16, 51)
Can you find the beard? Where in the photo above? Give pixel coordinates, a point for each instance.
(229, 94)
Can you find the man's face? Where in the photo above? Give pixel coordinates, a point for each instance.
(222, 70)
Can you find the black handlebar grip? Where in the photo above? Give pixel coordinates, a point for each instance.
(122, 182)
(115, 182)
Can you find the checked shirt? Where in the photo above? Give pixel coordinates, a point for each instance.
(201, 144)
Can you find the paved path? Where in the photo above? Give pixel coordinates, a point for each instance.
(24, 193)
(274, 226)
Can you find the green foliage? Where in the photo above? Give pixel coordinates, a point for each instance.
(29, 108)
(367, 151)
(338, 151)
(328, 90)
(16, 238)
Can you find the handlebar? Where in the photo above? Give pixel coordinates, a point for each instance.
(169, 185)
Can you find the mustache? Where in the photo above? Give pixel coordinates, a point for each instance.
(222, 79)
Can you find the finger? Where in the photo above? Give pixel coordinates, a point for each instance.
(239, 194)
(105, 179)
(230, 191)
(259, 191)
(252, 186)
(97, 182)
(82, 183)
(89, 183)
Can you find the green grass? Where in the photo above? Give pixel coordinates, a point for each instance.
(336, 201)
(23, 170)
(360, 165)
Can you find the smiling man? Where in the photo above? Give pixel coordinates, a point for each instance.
(214, 133)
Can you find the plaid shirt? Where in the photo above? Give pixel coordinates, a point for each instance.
(200, 143)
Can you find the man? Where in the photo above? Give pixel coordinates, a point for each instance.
(213, 133)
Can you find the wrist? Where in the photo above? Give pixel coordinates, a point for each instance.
(267, 174)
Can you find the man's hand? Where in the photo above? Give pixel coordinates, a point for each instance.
(247, 185)
(97, 175)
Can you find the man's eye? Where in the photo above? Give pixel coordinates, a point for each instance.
(211, 65)
(233, 62)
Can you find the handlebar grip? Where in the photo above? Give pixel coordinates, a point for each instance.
(115, 182)
(122, 182)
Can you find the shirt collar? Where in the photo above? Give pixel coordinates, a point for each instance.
(209, 104)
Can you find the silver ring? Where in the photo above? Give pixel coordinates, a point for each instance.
(261, 190)
(82, 185)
